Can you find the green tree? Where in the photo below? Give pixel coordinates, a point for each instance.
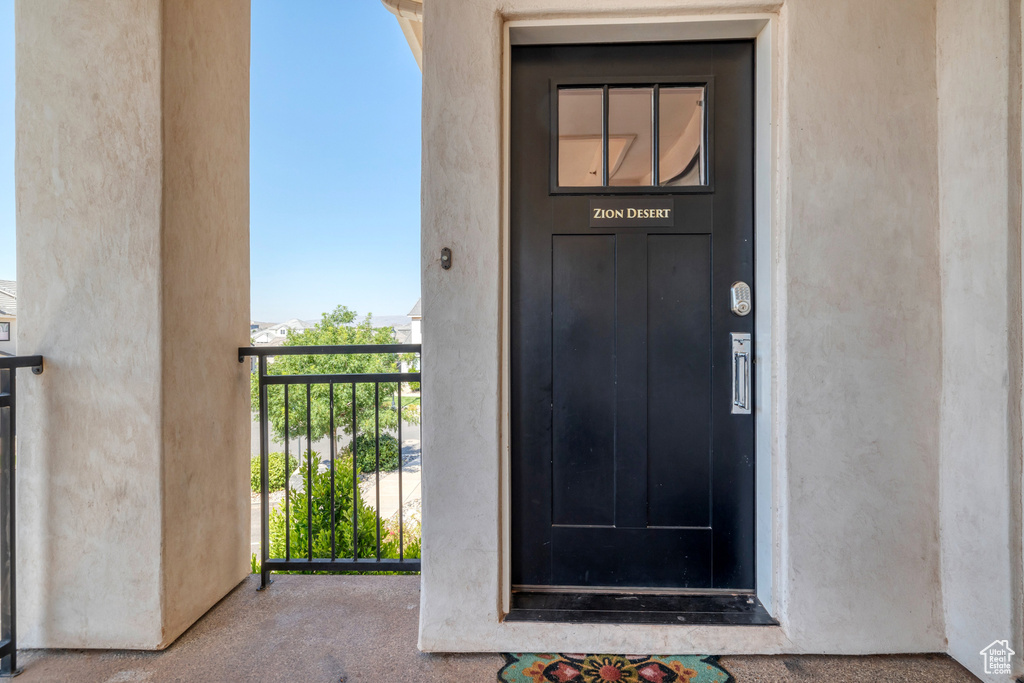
(336, 328)
(277, 469)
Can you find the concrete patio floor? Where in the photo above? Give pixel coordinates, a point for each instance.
(349, 629)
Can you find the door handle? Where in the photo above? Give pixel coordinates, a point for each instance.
(741, 374)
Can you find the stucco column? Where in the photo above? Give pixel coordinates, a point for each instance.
(979, 75)
(133, 263)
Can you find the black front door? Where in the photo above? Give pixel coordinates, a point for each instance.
(631, 220)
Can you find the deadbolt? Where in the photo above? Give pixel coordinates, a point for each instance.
(740, 295)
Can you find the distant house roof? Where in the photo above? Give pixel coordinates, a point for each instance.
(415, 312)
(8, 297)
(403, 334)
(275, 334)
(274, 341)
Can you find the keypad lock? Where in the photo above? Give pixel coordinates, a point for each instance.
(740, 296)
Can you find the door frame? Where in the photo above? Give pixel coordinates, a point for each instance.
(763, 28)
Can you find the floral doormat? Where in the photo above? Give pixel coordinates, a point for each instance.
(567, 668)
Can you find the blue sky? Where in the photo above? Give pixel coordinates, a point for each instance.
(7, 259)
(335, 159)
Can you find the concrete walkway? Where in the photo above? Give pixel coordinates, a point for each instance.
(362, 629)
(304, 628)
(389, 485)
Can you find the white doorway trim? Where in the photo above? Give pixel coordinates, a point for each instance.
(762, 28)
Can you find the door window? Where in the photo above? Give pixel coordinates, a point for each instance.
(632, 136)
(681, 127)
(580, 130)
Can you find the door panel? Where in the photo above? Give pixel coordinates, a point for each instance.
(583, 366)
(591, 557)
(628, 468)
(679, 380)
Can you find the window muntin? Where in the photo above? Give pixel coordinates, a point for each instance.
(632, 136)
(5, 331)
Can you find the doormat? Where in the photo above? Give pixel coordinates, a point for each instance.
(573, 668)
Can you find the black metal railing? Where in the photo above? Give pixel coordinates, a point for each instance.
(339, 559)
(8, 535)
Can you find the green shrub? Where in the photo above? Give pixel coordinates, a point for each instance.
(412, 536)
(320, 531)
(278, 472)
(367, 455)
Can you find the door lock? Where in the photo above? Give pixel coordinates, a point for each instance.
(740, 296)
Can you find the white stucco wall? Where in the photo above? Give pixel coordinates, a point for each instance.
(862, 338)
(88, 177)
(858, 340)
(205, 306)
(132, 191)
(979, 171)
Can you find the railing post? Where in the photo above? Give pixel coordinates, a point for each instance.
(265, 478)
(8, 510)
(8, 607)
(401, 464)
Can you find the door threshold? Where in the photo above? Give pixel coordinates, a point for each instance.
(626, 590)
(710, 609)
